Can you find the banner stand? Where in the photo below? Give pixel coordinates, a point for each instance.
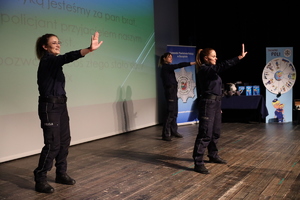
(187, 113)
(279, 76)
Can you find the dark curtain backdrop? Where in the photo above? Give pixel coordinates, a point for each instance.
(225, 26)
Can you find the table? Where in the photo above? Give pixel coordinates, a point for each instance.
(246, 102)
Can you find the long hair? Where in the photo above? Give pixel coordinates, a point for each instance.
(200, 57)
(43, 40)
(161, 59)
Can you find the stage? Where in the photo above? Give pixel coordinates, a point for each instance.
(262, 164)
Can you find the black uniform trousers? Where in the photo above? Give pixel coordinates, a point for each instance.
(54, 118)
(209, 129)
(170, 124)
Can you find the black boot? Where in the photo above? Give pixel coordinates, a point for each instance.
(201, 169)
(217, 160)
(64, 179)
(41, 184)
(178, 135)
(43, 187)
(166, 133)
(166, 138)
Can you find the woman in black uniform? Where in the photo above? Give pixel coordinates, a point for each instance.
(170, 86)
(209, 85)
(52, 109)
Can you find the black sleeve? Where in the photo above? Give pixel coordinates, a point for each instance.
(60, 60)
(171, 67)
(222, 66)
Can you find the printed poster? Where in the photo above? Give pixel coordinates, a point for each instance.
(279, 76)
(187, 113)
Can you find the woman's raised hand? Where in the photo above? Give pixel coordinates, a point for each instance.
(243, 54)
(95, 44)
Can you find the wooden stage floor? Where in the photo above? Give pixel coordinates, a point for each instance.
(263, 163)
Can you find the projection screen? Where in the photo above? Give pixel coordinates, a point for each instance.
(110, 91)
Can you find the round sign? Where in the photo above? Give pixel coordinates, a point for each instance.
(279, 75)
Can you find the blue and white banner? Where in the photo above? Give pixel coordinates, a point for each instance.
(279, 76)
(186, 82)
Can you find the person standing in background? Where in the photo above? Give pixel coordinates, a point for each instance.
(52, 108)
(209, 86)
(170, 85)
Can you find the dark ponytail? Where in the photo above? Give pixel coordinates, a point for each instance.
(200, 57)
(161, 59)
(40, 42)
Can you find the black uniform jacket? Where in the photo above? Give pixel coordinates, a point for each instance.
(168, 75)
(208, 79)
(50, 76)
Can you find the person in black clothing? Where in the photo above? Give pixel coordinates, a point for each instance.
(52, 109)
(209, 86)
(170, 86)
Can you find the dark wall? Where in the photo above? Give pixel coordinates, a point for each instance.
(225, 27)
(164, 35)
